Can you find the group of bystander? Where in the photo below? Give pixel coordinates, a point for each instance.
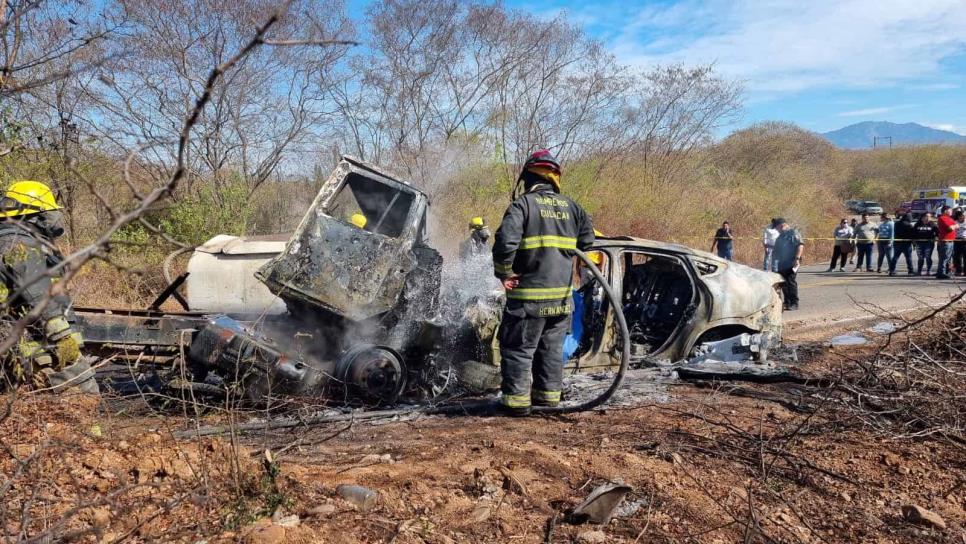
(862, 242)
(895, 239)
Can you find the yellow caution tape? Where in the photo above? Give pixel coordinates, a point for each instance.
(816, 238)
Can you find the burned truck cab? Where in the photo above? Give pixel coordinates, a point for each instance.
(336, 264)
(361, 286)
(359, 261)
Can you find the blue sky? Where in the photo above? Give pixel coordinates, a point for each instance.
(822, 64)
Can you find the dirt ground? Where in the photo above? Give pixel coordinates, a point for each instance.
(719, 463)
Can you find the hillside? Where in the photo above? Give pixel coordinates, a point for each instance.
(860, 135)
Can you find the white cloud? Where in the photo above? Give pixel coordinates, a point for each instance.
(790, 45)
(868, 111)
(936, 87)
(943, 126)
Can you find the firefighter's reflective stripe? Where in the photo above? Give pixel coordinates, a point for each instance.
(559, 242)
(546, 396)
(539, 293)
(516, 401)
(503, 268)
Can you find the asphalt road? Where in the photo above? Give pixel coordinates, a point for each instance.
(828, 298)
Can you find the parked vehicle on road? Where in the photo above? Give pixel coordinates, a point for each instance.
(870, 207)
(931, 200)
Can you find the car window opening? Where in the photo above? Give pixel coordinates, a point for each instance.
(384, 207)
(657, 291)
(590, 309)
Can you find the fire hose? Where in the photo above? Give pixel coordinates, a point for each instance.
(625, 348)
(462, 408)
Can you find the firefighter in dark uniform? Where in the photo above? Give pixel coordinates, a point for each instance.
(533, 257)
(47, 354)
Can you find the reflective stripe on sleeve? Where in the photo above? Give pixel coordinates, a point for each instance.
(503, 268)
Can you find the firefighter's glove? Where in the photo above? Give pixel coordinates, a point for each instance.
(67, 350)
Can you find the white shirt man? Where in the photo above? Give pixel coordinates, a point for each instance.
(768, 237)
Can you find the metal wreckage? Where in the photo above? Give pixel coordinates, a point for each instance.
(360, 315)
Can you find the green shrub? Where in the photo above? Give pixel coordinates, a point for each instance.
(194, 218)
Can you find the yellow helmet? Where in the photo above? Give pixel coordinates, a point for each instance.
(358, 220)
(598, 234)
(477, 223)
(596, 257)
(27, 197)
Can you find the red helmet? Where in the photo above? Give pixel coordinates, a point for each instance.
(543, 157)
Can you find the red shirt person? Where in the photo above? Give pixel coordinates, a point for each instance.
(946, 226)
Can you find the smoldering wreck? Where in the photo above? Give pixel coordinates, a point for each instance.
(362, 315)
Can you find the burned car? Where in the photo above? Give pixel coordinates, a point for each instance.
(679, 304)
(360, 286)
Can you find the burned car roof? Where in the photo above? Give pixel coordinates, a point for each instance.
(667, 247)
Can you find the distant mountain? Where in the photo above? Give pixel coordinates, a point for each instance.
(860, 135)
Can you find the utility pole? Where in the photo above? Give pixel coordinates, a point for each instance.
(875, 140)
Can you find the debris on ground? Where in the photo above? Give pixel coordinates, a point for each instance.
(805, 461)
(883, 327)
(916, 514)
(361, 497)
(849, 339)
(601, 504)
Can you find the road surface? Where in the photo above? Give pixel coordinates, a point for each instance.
(828, 298)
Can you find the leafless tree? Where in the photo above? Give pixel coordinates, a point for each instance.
(444, 78)
(441, 75)
(268, 104)
(36, 34)
(674, 111)
(185, 139)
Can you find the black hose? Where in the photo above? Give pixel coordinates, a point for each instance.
(625, 350)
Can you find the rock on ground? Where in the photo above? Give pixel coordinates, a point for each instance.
(914, 513)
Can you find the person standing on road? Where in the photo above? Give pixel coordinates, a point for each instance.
(865, 233)
(905, 233)
(851, 251)
(843, 238)
(724, 242)
(788, 258)
(885, 236)
(533, 257)
(946, 233)
(768, 237)
(959, 244)
(925, 236)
